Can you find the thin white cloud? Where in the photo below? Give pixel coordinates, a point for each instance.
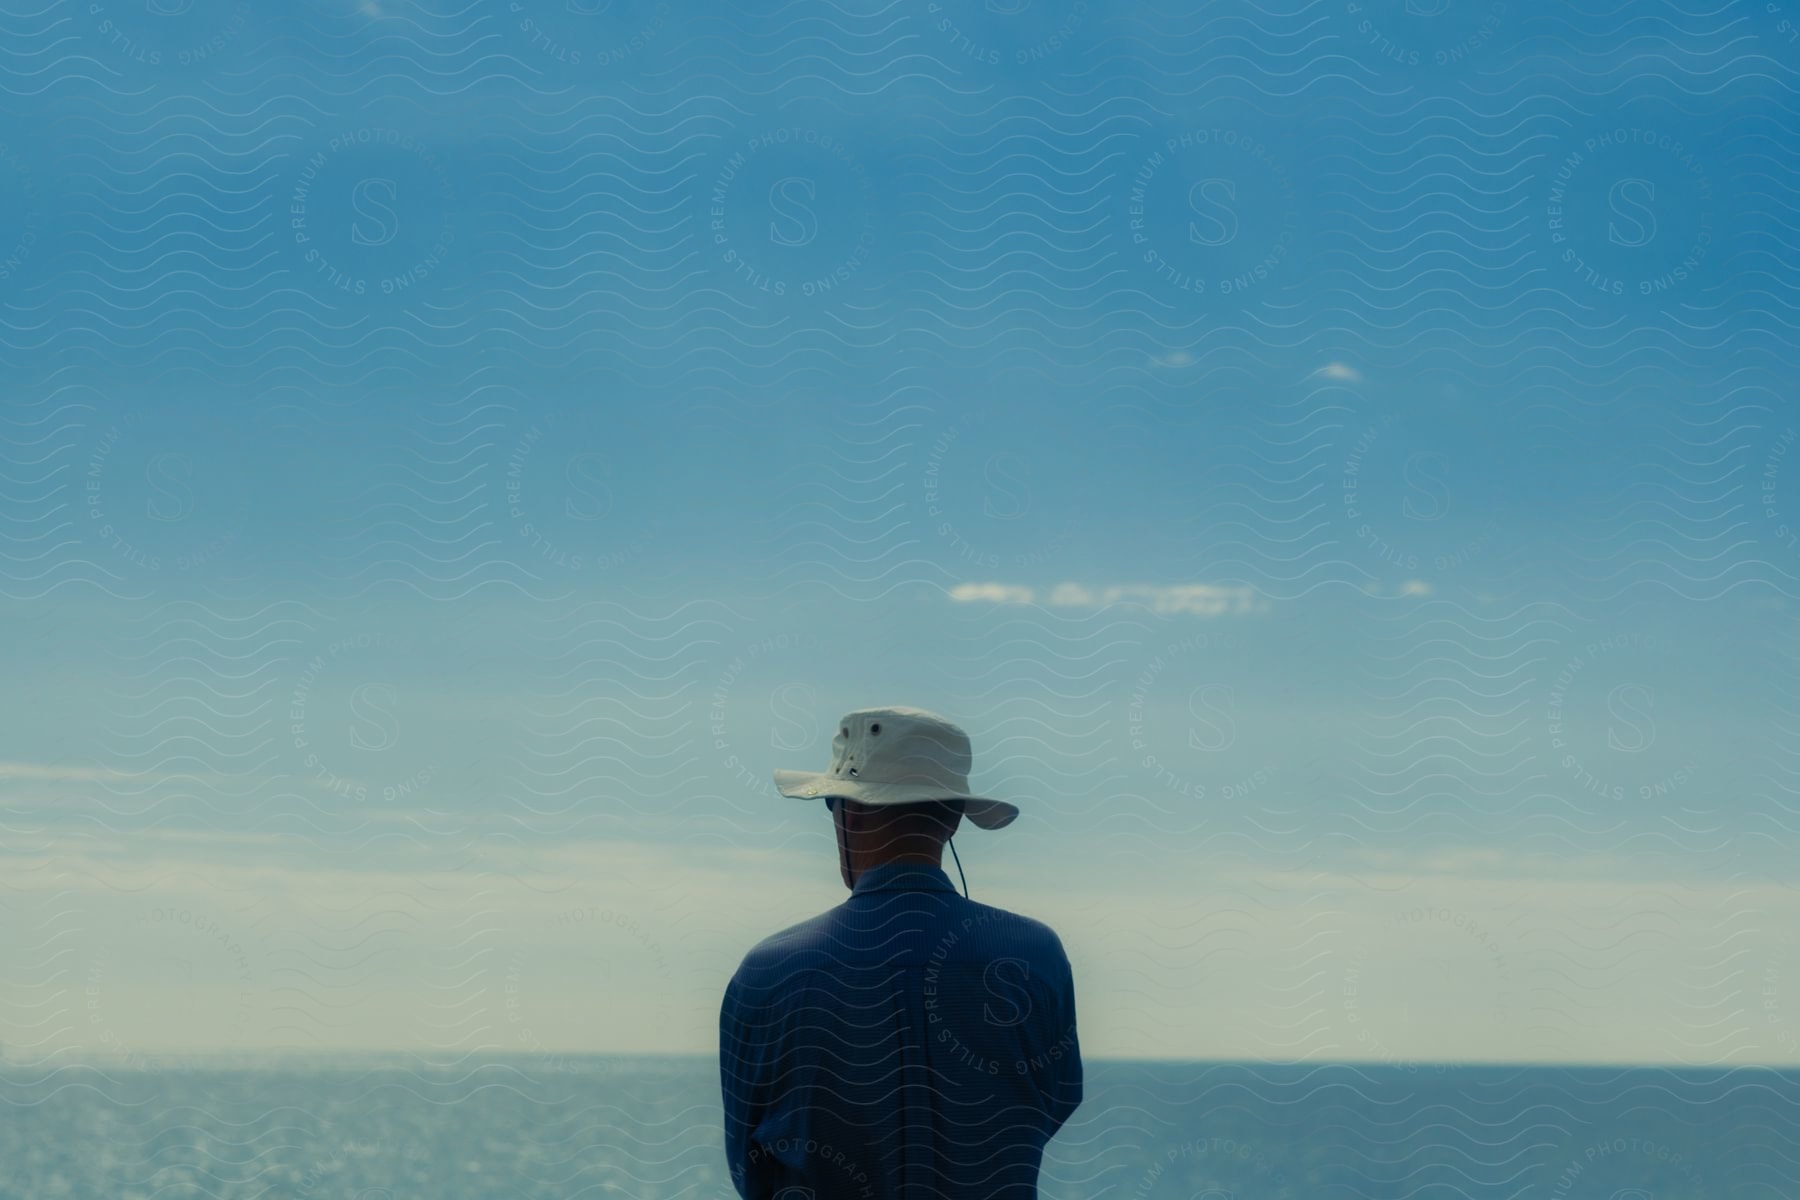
(65, 773)
(1174, 358)
(135, 782)
(1342, 372)
(1194, 599)
(1408, 587)
(992, 593)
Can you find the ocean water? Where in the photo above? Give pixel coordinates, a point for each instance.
(649, 1129)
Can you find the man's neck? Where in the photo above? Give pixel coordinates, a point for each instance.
(869, 861)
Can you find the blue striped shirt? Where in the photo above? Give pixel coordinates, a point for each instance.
(908, 1044)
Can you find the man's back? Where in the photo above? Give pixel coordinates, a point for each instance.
(908, 1044)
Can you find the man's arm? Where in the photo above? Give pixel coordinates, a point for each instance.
(738, 1086)
(1063, 1089)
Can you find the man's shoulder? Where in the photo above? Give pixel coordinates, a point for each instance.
(985, 928)
(959, 929)
(780, 947)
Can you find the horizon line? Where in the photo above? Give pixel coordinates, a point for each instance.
(137, 1059)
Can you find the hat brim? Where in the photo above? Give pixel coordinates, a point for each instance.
(816, 785)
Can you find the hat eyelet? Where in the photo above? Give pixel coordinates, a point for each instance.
(844, 732)
(875, 728)
(853, 770)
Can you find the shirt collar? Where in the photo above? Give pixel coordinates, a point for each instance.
(902, 877)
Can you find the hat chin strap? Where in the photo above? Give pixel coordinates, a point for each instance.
(845, 861)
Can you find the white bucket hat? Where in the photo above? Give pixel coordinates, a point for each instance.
(898, 755)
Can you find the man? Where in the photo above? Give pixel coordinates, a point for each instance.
(909, 1044)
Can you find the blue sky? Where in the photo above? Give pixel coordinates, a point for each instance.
(1345, 497)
